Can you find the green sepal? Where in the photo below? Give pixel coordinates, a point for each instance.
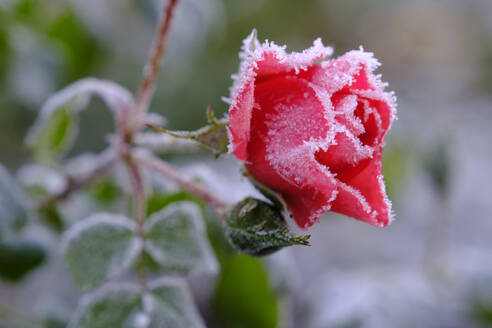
(258, 228)
(213, 136)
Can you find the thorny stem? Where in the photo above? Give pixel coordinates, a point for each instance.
(217, 204)
(151, 69)
(105, 160)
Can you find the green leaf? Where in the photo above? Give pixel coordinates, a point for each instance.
(214, 136)
(243, 297)
(57, 135)
(55, 129)
(14, 206)
(258, 228)
(52, 218)
(168, 304)
(158, 200)
(106, 191)
(99, 248)
(111, 306)
(176, 239)
(19, 258)
(171, 305)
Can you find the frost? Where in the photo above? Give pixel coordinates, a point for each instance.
(49, 180)
(319, 124)
(172, 305)
(165, 143)
(167, 304)
(258, 228)
(262, 59)
(55, 128)
(100, 247)
(176, 239)
(113, 305)
(155, 119)
(85, 164)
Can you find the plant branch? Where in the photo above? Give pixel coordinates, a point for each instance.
(159, 166)
(152, 67)
(104, 161)
(139, 209)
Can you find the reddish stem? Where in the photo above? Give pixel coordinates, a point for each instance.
(151, 70)
(155, 164)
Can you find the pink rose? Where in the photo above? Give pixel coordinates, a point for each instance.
(313, 130)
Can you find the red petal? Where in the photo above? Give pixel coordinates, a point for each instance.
(268, 59)
(362, 193)
(240, 121)
(287, 118)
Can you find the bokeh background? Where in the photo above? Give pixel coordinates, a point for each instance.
(431, 268)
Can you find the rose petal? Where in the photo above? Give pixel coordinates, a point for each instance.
(286, 116)
(268, 58)
(363, 187)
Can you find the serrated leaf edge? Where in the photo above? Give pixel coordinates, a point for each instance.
(197, 219)
(96, 295)
(134, 248)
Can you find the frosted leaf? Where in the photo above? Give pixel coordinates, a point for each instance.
(99, 248)
(176, 239)
(170, 304)
(83, 165)
(56, 126)
(14, 205)
(42, 177)
(114, 305)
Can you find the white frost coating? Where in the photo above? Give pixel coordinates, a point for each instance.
(267, 58)
(94, 220)
(343, 125)
(187, 314)
(382, 185)
(362, 200)
(142, 320)
(154, 118)
(109, 219)
(160, 142)
(83, 165)
(206, 263)
(116, 97)
(99, 294)
(37, 175)
(168, 281)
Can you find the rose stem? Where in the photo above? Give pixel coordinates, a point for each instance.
(155, 164)
(143, 98)
(152, 67)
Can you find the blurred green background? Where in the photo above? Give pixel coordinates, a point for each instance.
(431, 268)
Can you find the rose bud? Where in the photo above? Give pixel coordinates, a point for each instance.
(312, 130)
